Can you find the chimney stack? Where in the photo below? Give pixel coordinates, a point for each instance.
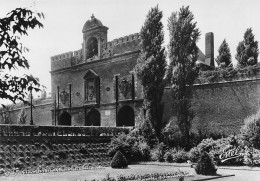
(209, 49)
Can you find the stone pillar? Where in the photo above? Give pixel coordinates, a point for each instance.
(209, 49)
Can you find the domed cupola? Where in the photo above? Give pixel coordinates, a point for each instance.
(91, 24)
(94, 37)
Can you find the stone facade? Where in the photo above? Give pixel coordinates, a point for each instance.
(96, 85)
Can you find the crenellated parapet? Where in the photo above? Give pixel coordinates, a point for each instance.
(121, 45)
(67, 59)
(62, 56)
(108, 49)
(78, 56)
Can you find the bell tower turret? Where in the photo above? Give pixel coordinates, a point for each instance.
(94, 38)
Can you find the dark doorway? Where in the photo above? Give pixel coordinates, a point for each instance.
(126, 116)
(65, 119)
(93, 118)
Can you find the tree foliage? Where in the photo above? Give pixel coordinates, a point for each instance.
(224, 57)
(12, 27)
(182, 71)
(247, 50)
(151, 66)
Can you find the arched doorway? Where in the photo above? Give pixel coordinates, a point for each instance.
(65, 119)
(126, 116)
(93, 118)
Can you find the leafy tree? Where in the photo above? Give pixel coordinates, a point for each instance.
(22, 117)
(12, 27)
(182, 71)
(224, 57)
(151, 67)
(247, 50)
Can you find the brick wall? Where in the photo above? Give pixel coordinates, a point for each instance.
(220, 107)
(41, 113)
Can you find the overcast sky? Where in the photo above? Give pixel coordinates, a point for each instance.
(64, 20)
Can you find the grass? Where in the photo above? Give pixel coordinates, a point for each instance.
(83, 175)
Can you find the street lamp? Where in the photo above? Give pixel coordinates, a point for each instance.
(31, 121)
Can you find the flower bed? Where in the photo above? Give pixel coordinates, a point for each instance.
(152, 176)
(52, 168)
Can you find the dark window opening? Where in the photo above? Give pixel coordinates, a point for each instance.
(92, 47)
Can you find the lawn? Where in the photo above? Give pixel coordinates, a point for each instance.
(140, 169)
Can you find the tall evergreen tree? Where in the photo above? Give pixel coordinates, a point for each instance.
(224, 57)
(247, 50)
(182, 72)
(151, 67)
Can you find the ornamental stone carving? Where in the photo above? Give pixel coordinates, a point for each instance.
(64, 96)
(125, 87)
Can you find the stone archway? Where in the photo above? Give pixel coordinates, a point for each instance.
(126, 116)
(93, 118)
(64, 119)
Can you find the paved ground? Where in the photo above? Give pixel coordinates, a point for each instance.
(241, 173)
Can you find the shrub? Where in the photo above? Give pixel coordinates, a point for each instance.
(214, 147)
(172, 135)
(125, 144)
(144, 149)
(144, 130)
(194, 154)
(180, 156)
(157, 153)
(250, 131)
(248, 159)
(228, 74)
(133, 146)
(205, 165)
(168, 156)
(119, 161)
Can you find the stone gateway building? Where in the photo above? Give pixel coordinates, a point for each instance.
(96, 86)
